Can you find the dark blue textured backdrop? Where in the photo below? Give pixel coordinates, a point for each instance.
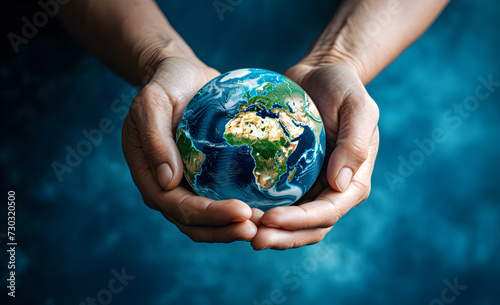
(402, 246)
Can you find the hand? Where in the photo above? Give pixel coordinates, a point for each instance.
(350, 118)
(155, 163)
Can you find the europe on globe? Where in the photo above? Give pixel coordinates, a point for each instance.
(252, 135)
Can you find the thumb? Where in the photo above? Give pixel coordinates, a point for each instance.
(152, 114)
(358, 118)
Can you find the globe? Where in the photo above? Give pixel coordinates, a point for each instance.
(252, 135)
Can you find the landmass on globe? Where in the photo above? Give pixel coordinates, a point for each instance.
(191, 157)
(272, 139)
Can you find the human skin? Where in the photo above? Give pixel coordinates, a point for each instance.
(136, 41)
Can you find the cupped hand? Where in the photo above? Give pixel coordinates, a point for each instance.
(149, 147)
(350, 117)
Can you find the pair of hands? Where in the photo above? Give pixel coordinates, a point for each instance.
(350, 118)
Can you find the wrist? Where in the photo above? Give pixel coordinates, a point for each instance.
(152, 52)
(320, 55)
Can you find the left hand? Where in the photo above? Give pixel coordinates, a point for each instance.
(155, 162)
(350, 117)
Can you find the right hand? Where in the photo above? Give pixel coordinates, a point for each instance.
(149, 147)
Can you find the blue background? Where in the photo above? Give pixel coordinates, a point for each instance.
(400, 247)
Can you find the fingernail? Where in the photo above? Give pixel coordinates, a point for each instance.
(239, 219)
(164, 173)
(265, 248)
(344, 178)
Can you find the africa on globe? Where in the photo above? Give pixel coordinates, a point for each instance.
(252, 135)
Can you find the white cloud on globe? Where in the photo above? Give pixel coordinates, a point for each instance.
(235, 74)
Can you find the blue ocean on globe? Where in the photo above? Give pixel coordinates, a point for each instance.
(252, 135)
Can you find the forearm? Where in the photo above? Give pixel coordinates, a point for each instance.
(129, 37)
(370, 34)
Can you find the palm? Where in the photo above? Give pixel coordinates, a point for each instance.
(155, 163)
(329, 100)
(349, 116)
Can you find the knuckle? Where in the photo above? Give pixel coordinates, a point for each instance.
(183, 212)
(364, 190)
(179, 216)
(366, 193)
(335, 217)
(151, 141)
(319, 237)
(374, 110)
(291, 244)
(338, 211)
(149, 202)
(359, 149)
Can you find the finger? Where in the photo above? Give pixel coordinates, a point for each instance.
(244, 230)
(190, 209)
(182, 205)
(324, 212)
(257, 216)
(278, 239)
(330, 205)
(152, 113)
(358, 117)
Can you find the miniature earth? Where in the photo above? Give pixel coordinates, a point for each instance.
(252, 135)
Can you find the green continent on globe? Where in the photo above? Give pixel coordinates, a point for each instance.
(271, 139)
(270, 146)
(296, 107)
(191, 157)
